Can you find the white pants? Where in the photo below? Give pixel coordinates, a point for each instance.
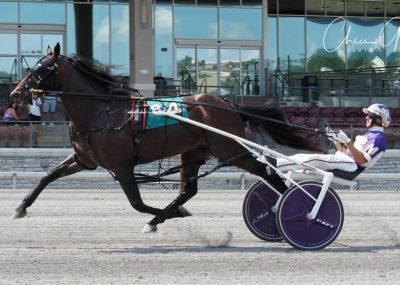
(323, 161)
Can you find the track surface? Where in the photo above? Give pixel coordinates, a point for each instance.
(94, 237)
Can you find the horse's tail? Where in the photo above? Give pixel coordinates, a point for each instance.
(277, 126)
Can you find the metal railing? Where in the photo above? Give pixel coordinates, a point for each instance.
(345, 97)
(386, 170)
(55, 134)
(244, 177)
(35, 134)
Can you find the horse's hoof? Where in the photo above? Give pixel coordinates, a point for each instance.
(149, 228)
(184, 212)
(19, 214)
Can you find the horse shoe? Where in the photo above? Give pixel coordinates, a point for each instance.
(149, 228)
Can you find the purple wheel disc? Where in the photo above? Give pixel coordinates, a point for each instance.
(257, 212)
(298, 229)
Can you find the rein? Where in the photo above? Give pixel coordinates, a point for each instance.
(138, 95)
(107, 97)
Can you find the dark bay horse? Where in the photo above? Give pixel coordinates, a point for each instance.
(101, 132)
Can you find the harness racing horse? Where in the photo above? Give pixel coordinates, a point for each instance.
(101, 134)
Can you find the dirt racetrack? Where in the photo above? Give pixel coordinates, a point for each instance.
(94, 237)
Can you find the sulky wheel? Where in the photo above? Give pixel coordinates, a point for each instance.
(258, 214)
(301, 232)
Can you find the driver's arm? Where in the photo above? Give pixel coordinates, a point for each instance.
(358, 156)
(340, 147)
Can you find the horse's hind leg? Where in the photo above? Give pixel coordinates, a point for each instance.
(67, 167)
(128, 183)
(252, 165)
(191, 161)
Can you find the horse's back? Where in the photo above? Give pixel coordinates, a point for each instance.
(206, 98)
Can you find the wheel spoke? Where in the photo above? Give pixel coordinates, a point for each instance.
(265, 200)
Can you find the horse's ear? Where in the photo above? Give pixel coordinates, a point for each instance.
(49, 51)
(56, 50)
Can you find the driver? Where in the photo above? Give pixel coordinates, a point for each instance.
(350, 156)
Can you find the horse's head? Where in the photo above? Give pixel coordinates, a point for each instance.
(40, 77)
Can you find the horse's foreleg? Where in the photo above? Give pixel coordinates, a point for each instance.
(67, 167)
(192, 161)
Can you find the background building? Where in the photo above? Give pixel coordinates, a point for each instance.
(307, 52)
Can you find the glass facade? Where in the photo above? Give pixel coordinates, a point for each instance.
(230, 43)
(217, 44)
(328, 53)
(195, 23)
(27, 27)
(332, 35)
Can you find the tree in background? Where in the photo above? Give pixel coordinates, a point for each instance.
(322, 59)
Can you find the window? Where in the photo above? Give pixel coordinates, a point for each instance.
(42, 13)
(272, 52)
(293, 7)
(163, 41)
(195, 22)
(101, 33)
(325, 44)
(240, 24)
(335, 7)
(291, 43)
(9, 12)
(392, 42)
(120, 38)
(364, 47)
(375, 9)
(315, 7)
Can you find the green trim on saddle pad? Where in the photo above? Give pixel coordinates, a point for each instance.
(174, 104)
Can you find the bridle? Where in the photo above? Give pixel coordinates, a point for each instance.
(34, 90)
(37, 78)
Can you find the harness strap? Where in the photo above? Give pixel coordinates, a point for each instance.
(145, 111)
(133, 115)
(226, 162)
(145, 178)
(137, 126)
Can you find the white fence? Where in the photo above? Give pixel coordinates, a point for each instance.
(243, 176)
(14, 176)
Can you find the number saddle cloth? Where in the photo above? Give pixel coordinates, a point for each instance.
(146, 109)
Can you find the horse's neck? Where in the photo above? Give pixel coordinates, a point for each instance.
(82, 107)
(81, 111)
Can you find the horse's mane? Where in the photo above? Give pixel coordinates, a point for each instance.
(97, 69)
